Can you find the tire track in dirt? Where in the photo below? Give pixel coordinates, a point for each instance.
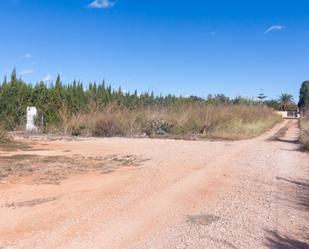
(129, 206)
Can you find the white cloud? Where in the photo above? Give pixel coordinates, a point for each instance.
(273, 28)
(101, 4)
(26, 56)
(47, 78)
(27, 71)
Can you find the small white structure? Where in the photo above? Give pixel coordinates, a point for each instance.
(284, 114)
(31, 114)
(289, 114)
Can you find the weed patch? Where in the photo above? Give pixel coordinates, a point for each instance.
(203, 220)
(30, 203)
(304, 134)
(196, 120)
(54, 169)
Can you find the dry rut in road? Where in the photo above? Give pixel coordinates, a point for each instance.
(143, 193)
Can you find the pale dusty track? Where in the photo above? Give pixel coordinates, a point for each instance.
(257, 190)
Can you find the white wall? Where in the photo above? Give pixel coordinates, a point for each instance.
(31, 113)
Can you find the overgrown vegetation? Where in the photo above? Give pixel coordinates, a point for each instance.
(304, 98)
(304, 110)
(58, 168)
(99, 110)
(194, 120)
(304, 136)
(4, 138)
(9, 144)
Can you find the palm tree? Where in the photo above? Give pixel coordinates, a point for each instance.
(285, 101)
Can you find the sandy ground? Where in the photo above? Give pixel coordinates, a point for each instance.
(151, 193)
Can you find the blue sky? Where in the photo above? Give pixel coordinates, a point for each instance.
(180, 47)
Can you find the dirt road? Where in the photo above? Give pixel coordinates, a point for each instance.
(150, 193)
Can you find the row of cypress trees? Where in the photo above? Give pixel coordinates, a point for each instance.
(16, 95)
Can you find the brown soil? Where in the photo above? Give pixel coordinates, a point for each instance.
(151, 193)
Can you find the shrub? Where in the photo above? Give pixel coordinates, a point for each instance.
(304, 134)
(107, 128)
(4, 138)
(181, 120)
(158, 127)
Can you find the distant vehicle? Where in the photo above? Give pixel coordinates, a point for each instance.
(290, 114)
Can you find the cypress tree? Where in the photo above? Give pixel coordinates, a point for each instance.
(304, 97)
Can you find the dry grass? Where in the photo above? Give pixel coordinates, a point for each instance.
(203, 219)
(4, 138)
(58, 168)
(182, 121)
(12, 145)
(8, 144)
(29, 203)
(304, 136)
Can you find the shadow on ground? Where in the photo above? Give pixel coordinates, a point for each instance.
(298, 200)
(277, 241)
